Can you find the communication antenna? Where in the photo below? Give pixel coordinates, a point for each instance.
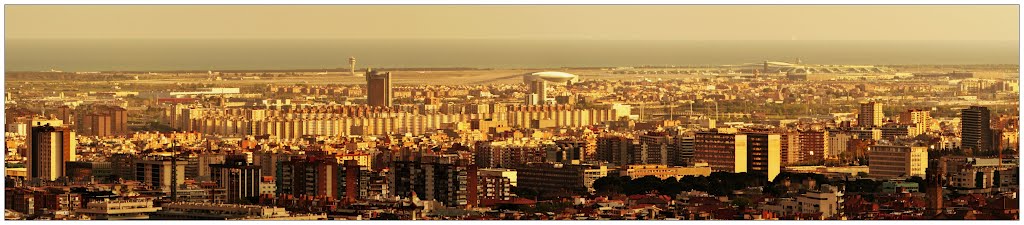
(174, 169)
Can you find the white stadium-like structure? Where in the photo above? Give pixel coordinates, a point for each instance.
(551, 76)
(538, 83)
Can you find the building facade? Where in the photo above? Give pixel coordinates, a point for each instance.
(885, 161)
(50, 147)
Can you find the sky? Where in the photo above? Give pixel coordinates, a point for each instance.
(564, 22)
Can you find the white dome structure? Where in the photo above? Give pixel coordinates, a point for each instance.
(551, 76)
(538, 83)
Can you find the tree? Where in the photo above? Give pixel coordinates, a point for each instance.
(921, 182)
(609, 185)
(742, 202)
(525, 192)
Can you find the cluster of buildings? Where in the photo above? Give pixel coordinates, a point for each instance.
(509, 150)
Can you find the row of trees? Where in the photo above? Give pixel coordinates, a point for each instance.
(722, 183)
(718, 183)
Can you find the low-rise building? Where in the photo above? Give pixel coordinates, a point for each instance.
(496, 183)
(213, 211)
(827, 200)
(560, 178)
(663, 171)
(119, 209)
(886, 161)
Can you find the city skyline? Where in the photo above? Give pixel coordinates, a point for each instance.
(512, 112)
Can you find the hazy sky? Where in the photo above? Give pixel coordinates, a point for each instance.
(720, 22)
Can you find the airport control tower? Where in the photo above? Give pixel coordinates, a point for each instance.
(352, 66)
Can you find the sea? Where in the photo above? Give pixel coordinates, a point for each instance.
(162, 54)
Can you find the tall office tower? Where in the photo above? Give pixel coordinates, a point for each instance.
(50, 146)
(870, 114)
(897, 161)
(378, 88)
(976, 133)
(241, 180)
(764, 153)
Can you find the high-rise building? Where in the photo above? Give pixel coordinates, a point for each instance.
(158, 172)
(240, 180)
(790, 147)
(118, 119)
(85, 171)
(378, 88)
(887, 161)
(442, 178)
(683, 150)
(764, 154)
(654, 149)
(837, 143)
(538, 92)
(722, 151)
(870, 114)
(918, 118)
(813, 145)
(50, 147)
(614, 149)
(95, 125)
(103, 120)
(976, 133)
(497, 184)
(736, 153)
(65, 113)
(567, 151)
(198, 165)
(322, 176)
(122, 165)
